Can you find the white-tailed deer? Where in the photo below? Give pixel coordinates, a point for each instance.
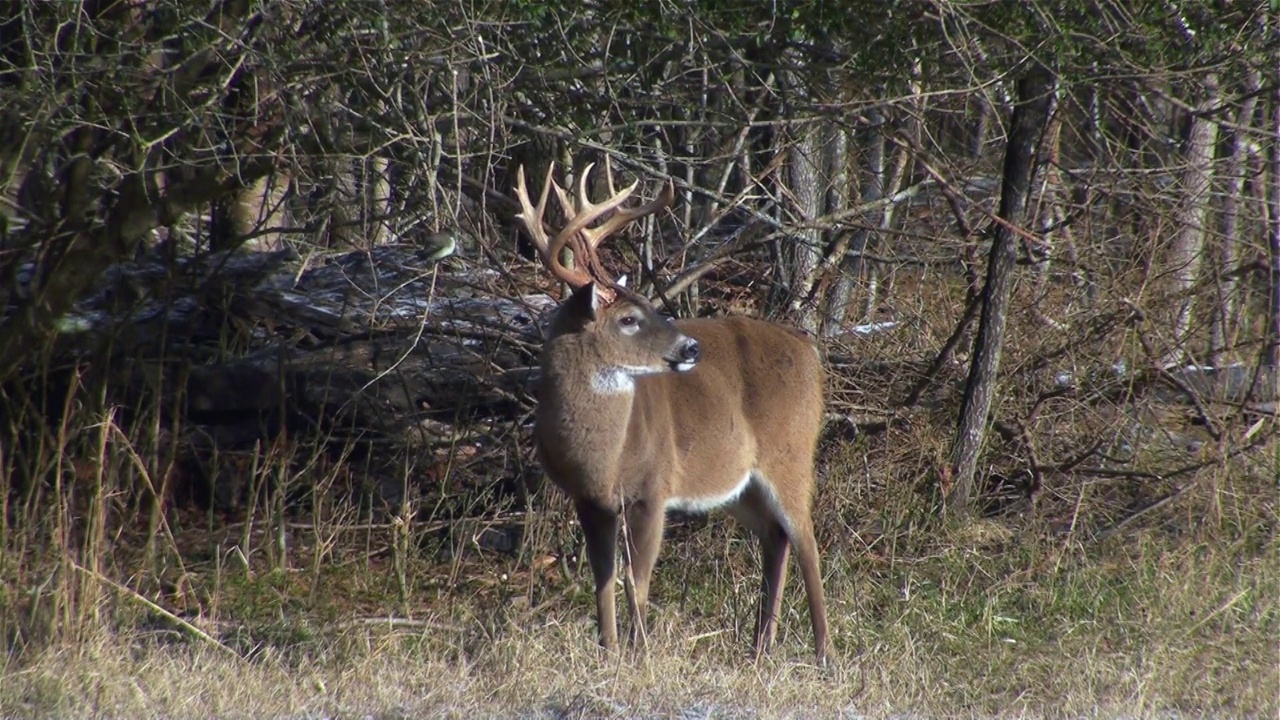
(638, 415)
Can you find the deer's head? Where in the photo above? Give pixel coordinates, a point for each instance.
(622, 332)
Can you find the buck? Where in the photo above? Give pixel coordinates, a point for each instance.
(638, 415)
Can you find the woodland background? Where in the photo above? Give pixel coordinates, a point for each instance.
(267, 334)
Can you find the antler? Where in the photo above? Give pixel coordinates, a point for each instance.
(581, 215)
(531, 218)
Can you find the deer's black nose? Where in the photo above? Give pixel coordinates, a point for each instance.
(684, 354)
(690, 351)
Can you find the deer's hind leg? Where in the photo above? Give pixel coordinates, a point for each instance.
(755, 510)
(807, 554)
(795, 509)
(782, 521)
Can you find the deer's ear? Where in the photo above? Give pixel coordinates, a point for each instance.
(584, 304)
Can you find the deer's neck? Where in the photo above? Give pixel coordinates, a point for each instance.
(584, 411)
(577, 382)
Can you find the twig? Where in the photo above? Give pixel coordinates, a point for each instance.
(149, 604)
(970, 312)
(1172, 495)
(398, 622)
(1125, 522)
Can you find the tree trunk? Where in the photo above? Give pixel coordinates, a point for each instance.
(880, 179)
(1051, 220)
(254, 215)
(873, 167)
(804, 249)
(981, 127)
(1030, 114)
(816, 183)
(358, 203)
(1272, 355)
(1188, 245)
(836, 180)
(1228, 224)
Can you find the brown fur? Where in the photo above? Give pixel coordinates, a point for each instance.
(752, 404)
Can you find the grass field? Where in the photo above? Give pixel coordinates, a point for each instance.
(1034, 614)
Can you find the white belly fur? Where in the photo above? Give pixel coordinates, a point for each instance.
(705, 504)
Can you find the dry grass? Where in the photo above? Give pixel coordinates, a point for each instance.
(989, 619)
(548, 669)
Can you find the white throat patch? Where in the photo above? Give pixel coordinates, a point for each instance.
(613, 381)
(620, 379)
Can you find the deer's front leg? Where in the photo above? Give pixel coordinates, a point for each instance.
(600, 526)
(644, 539)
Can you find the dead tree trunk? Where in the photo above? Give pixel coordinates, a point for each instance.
(816, 184)
(256, 214)
(1030, 115)
(847, 256)
(1052, 216)
(836, 159)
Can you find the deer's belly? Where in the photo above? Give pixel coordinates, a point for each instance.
(708, 500)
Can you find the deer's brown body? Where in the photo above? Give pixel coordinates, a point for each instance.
(638, 415)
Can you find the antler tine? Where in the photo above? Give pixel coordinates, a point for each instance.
(586, 212)
(626, 216)
(531, 218)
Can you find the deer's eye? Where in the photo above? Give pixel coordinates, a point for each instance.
(628, 321)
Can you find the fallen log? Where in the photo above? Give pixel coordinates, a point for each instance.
(390, 350)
